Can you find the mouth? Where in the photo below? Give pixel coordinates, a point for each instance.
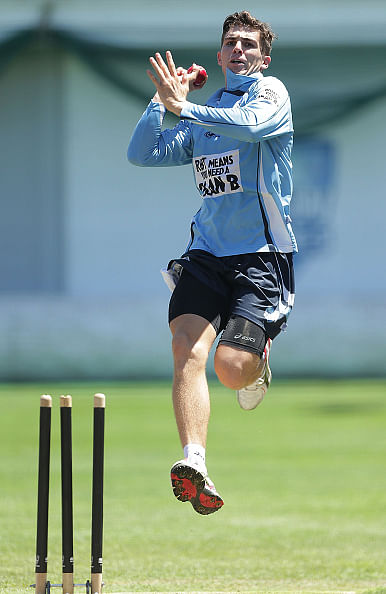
(236, 61)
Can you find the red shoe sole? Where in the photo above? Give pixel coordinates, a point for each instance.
(189, 485)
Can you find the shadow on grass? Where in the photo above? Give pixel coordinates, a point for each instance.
(344, 408)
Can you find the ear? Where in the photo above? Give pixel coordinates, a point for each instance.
(266, 62)
(219, 61)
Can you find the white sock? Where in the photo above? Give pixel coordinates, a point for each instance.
(195, 453)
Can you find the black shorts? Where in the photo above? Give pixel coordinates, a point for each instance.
(258, 287)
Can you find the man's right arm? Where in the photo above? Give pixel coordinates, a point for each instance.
(152, 147)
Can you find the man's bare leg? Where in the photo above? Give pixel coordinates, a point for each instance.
(193, 337)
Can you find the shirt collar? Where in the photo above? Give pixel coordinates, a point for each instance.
(240, 82)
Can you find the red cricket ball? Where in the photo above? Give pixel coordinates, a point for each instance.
(200, 78)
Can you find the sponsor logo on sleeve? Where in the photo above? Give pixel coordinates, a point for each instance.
(218, 174)
(269, 95)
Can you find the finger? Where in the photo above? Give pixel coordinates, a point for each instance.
(156, 67)
(161, 63)
(170, 61)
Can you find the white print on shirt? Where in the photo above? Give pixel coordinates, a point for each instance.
(218, 174)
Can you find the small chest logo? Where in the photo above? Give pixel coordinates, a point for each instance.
(217, 174)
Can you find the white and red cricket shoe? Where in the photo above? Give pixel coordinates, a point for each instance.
(191, 483)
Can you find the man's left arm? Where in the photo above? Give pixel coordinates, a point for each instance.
(265, 114)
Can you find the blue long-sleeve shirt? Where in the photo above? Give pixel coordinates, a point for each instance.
(239, 144)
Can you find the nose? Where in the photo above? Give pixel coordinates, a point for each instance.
(237, 47)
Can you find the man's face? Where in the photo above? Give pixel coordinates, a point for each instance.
(241, 51)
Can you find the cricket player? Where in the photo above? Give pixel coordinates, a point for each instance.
(235, 277)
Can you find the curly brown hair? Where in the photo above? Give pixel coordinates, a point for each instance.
(245, 19)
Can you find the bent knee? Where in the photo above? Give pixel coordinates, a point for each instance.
(230, 376)
(235, 368)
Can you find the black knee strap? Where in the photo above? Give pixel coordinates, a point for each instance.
(244, 334)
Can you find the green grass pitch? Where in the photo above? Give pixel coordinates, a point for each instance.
(303, 478)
